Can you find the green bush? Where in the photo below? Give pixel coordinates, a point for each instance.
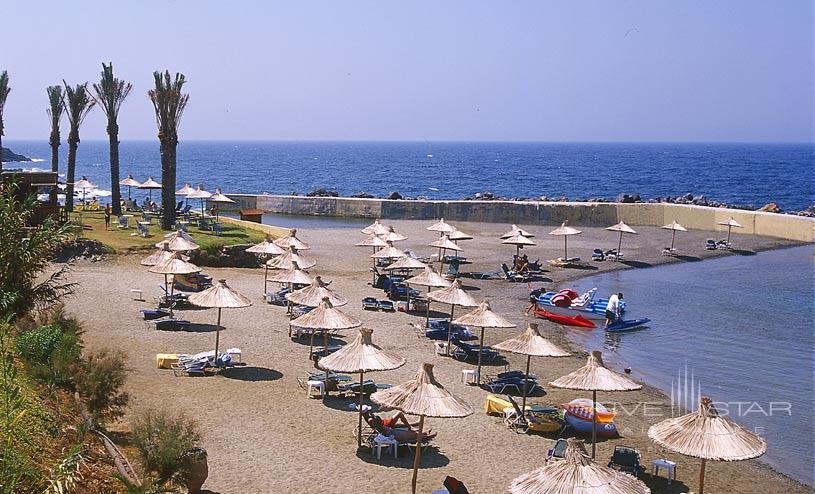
(101, 382)
(36, 346)
(161, 440)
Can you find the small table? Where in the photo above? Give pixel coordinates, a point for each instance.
(127, 220)
(667, 464)
(381, 441)
(469, 376)
(312, 386)
(441, 347)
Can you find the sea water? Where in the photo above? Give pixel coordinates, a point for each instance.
(738, 328)
(748, 174)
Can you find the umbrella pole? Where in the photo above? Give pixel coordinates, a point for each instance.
(673, 237)
(450, 328)
(218, 333)
(565, 247)
(620, 244)
(480, 351)
(359, 424)
(311, 343)
(593, 423)
(418, 458)
(729, 228)
(524, 387)
(265, 278)
(702, 477)
(427, 310)
(325, 351)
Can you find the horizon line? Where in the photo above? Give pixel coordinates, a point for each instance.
(426, 141)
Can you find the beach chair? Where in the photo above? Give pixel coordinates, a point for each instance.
(143, 230)
(626, 460)
(532, 419)
(485, 275)
(122, 222)
(464, 351)
(710, 244)
(170, 324)
(669, 251)
(217, 229)
(512, 276)
(386, 305)
(558, 451)
(511, 381)
(353, 387)
(150, 314)
(437, 330)
(724, 244)
(598, 255)
(370, 303)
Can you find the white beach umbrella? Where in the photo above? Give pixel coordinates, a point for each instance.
(84, 185)
(622, 228)
(129, 182)
(219, 198)
(150, 185)
(674, 227)
(730, 223)
(565, 231)
(201, 194)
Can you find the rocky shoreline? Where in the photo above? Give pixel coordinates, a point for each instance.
(689, 198)
(7, 156)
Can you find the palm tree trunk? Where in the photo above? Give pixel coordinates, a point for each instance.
(54, 142)
(1, 152)
(168, 157)
(115, 194)
(73, 143)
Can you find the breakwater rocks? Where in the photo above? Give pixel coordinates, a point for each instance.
(625, 198)
(7, 156)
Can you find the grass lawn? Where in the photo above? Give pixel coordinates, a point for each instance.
(121, 240)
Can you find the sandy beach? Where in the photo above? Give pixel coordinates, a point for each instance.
(264, 435)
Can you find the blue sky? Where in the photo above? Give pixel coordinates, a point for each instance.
(416, 70)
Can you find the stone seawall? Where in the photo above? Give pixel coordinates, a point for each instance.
(535, 213)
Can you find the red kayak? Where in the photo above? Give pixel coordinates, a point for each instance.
(578, 320)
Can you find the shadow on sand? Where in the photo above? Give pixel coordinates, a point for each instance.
(743, 252)
(636, 264)
(431, 458)
(688, 258)
(252, 374)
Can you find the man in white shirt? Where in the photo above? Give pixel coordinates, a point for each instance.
(613, 308)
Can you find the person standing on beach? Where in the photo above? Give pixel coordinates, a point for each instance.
(613, 308)
(107, 217)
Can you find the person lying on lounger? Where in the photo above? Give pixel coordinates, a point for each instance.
(391, 427)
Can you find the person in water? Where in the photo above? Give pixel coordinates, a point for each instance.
(613, 308)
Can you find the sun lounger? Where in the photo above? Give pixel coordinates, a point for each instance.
(558, 451)
(513, 276)
(150, 314)
(542, 419)
(710, 244)
(485, 275)
(724, 244)
(386, 305)
(437, 330)
(502, 386)
(170, 324)
(464, 351)
(217, 229)
(668, 251)
(598, 255)
(370, 303)
(626, 460)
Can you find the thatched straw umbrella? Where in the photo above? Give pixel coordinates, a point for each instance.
(287, 261)
(441, 227)
(84, 185)
(291, 240)
(129, 182)
(202, 195)
(622, 228)
(515, 230)
(185, 191)
(483, 317)
(519, 241)
(265, 250)
(179, 241)
(219, 296)
(406, 263)
(453, 295)
(219, 198)
(459, 235)
(707, 435)
(674, 227)
(564, 230)
(444, 244)
(372, 241)
(361, 355)
(172, 265)
(392, 236)
(531, 344)
(375, 228)
(291, 277)
(594, 377)
(730, 223)
(431, 279)
(149, 184)
(388, 252)
(312, 295)
(160, 255)
(325, 317)
(425, 397)
(576, 473)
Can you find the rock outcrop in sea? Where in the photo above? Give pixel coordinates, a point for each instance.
(8, 156)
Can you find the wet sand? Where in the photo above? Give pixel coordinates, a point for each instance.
(264, 435)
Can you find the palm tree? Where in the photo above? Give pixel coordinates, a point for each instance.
(169, 103)
(4, 90)
(56, 107)
(79, 104)
(110, 94)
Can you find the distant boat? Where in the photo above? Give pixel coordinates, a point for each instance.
(429, 155)
(433, 189)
